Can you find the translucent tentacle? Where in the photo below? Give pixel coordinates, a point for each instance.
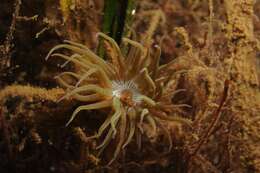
(66, 46)
(147, 100)
(87, 65)
(72, 59)
(90, 87)
(87, 98)
(86, 75)
(145, 60)
(68, 73)
(106, 141)
(132, 117)
(155, 63)
(133, 56)
(116, 115)
(92, 56)
(98, 105)
(152, 122)
(164, 116)
(165, 67)
(66, 62)
(141, 61)
(120, 59)
(149, 80)
(172, 94)
(82, 50)
(121, 136)
(63, 83)
(135, 44)
(174, 106)
(103, 127)
(143, 113)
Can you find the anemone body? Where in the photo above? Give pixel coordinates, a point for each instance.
(129, 84)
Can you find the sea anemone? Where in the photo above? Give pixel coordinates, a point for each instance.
(132, 84)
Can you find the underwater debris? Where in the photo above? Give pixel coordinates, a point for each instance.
(23, 108)
(131, 85)
(5, 49)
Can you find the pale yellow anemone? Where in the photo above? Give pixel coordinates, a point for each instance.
(128, 84)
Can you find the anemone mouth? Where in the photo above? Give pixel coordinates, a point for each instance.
(126, 91)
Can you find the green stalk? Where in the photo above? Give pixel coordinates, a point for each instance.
(117, 15)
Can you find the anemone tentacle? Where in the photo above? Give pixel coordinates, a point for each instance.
(98, 105)
(133, 85)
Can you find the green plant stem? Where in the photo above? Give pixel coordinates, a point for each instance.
(117, 15)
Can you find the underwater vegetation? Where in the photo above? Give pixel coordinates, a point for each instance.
(180, 93)
(130, 85)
